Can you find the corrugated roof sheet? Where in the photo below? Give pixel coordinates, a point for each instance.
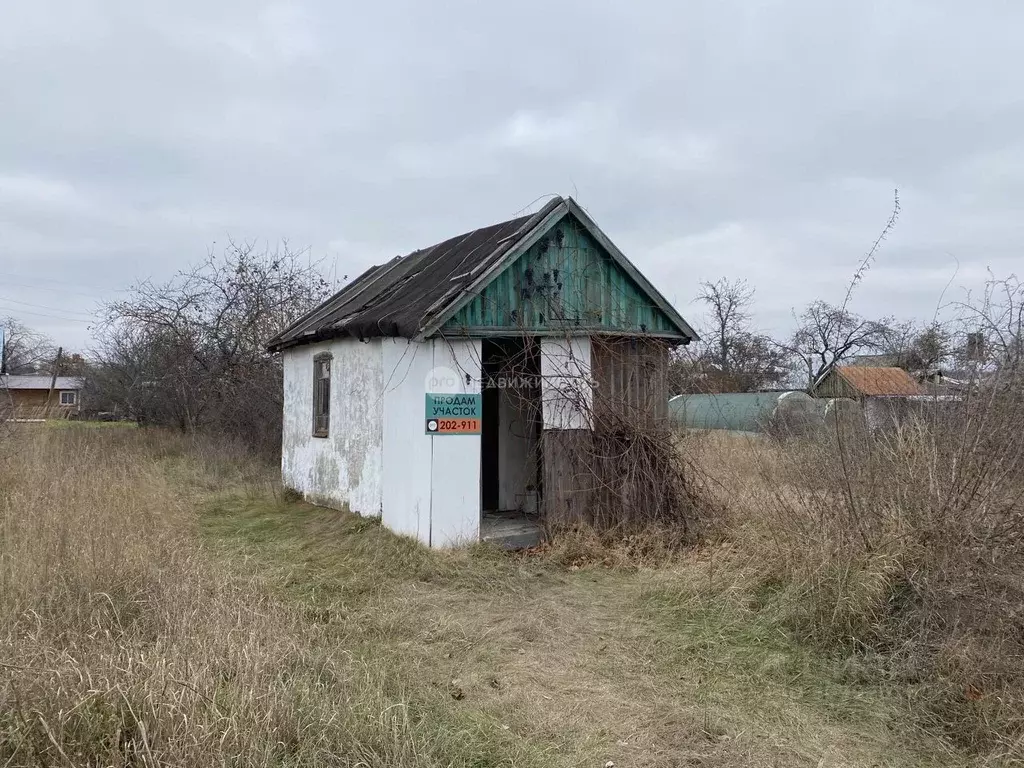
(879, 382)
(408, 294)
(393, 299)
(40, 382)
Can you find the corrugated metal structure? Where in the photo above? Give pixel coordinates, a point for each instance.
(743, 411)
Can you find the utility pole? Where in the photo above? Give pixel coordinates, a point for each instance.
(53, 380)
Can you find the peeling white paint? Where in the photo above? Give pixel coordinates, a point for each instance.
(377, 458)
(344, 469)
(568, 389)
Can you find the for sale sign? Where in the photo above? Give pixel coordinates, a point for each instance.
(453, 414)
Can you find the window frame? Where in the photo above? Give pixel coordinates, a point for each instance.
(322, 394)
(74, 397)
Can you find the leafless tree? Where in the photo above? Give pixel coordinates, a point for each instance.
(993, 324)
(190, 352)
(729, 302)
(732, 356)
(917, 348)
(25, 351)
(827, 335)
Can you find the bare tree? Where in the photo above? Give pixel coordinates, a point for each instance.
(917, 348)
(190, 352)
(24, 350)
(994, 324)
(732, 356)
(827, 335)
(729, 302)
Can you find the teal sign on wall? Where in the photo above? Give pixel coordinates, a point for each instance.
(453, 414)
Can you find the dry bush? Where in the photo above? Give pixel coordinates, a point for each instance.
(905, 544)
(190, 354)
(123, 642)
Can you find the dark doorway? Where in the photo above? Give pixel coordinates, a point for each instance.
(510, 475)
(492, 354)
(510, 428)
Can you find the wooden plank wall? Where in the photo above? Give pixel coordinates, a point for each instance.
(33, 404)
(568, 477)
(584, 472)
(631, 380)
(834, 385)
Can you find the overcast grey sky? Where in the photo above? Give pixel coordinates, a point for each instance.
(759, 140)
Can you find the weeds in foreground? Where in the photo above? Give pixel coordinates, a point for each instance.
(124, 642)
(904, 545)
(161, 603)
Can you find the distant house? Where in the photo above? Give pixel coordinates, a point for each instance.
(884, 393)
(454, 388)
(858, 382)
(40, 397)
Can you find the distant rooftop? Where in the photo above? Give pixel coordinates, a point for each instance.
(879, 382)
(40, 382)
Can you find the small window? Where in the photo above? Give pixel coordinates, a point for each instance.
(68, 398)
(321, 395)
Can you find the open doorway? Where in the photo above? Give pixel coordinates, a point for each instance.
(510, 489)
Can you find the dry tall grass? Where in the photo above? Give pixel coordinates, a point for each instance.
(161, 605)
(903, 547)
(123, 642)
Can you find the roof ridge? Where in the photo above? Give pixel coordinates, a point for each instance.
(411, 295)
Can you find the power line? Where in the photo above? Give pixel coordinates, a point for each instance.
(20, 311)
(44, 306)
(70, 283)
(61, 291)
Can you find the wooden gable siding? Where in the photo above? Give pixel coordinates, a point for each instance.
(834, 385)
(565, 281)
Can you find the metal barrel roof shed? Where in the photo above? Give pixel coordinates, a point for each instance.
(741, 411)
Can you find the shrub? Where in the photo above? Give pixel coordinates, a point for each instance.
(908, 541)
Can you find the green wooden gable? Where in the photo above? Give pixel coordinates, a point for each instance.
(564, 281)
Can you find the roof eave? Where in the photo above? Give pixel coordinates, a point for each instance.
(530, 233)
(630, 269)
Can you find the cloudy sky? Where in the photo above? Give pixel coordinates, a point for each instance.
(757, 140)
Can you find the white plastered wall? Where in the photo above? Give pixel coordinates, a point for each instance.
(567, 389)
(344, 469)
(431, 483)
(377, 458)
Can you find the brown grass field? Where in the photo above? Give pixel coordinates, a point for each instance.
(162, 603)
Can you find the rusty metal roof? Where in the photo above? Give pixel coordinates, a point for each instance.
(879, 382)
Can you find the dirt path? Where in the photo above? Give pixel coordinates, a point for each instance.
(578, 667)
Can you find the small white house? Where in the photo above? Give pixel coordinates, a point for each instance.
(437, 390)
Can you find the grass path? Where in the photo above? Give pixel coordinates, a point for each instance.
(524, 662)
